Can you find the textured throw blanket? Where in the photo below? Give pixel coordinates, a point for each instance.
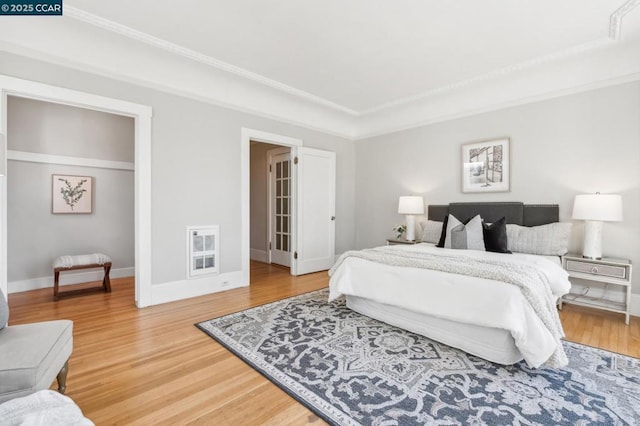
(533, 284)
(43, 408)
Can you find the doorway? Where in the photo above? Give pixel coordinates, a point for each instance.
(51, 148)
(142, 203)
(270, 198)
(312, 204)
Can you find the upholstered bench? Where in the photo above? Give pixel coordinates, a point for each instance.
(85, 261)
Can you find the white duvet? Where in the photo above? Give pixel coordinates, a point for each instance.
(459, 298)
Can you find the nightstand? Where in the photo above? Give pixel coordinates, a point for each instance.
(396, 241)
(605, 270)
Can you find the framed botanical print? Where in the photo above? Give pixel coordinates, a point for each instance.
(71, 194)
(486, 166)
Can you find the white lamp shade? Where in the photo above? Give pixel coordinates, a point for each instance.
(598, 207)
(411, 205)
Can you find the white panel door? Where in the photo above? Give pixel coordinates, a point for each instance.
(314, 239)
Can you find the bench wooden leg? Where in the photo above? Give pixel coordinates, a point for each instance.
(62, 378)
(106, 282)
(56, 281)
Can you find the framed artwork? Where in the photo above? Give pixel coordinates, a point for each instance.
(71, 194)
(486, 166)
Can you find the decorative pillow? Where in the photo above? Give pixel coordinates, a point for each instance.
(495, 236)
(431, 231)
(4, 311)
(461, 236)
(548, 240)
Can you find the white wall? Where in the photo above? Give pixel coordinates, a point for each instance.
(36, 236)
(575, 144)
(196, 164)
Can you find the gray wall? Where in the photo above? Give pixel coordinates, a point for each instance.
(35, 235)
(50, 128)
(196, 164)
(259, 193)
(561, 147)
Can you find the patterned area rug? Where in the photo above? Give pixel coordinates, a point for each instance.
(350, 370)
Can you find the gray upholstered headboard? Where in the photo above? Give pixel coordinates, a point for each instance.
(516, 213)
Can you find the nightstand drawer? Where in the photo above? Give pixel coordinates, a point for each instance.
(591, 268)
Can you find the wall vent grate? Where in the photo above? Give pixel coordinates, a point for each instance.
(203, 250)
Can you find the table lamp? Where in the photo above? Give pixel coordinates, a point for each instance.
(595, 209)
(410, 206)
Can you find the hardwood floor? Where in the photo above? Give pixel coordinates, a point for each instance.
(601, 329)
(152, 366)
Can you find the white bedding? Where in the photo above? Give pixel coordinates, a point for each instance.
(460, 298)
(493, 344)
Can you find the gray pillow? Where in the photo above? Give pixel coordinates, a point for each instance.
(431, 231)
(461, 236)
(550, 240)
(4, 311)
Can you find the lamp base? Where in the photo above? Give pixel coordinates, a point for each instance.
(592, 247)
(411, 228)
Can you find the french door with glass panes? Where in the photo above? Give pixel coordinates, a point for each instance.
(280, 201)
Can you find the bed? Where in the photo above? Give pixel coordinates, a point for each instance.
(484, 316)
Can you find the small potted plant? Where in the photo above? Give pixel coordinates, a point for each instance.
(400, 229)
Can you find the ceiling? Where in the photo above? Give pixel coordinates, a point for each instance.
(360, 57)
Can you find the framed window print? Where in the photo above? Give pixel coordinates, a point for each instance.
(486, 166)
(71, 194)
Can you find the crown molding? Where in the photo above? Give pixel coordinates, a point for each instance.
(365, 133)
(615, 28)
(511, 69)
(367, 126)
(123, 30)
(316, 118)
(615, 21)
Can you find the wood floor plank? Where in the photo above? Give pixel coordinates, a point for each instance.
(152, 366)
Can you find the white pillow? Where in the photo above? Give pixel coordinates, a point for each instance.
(461, 236)
(431, 231)
(548, 240)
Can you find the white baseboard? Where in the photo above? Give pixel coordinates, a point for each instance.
(635, 305)
(184, 289)
(258, 255)
(68, 278)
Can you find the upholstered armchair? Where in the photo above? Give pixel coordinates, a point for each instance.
(32, 355)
